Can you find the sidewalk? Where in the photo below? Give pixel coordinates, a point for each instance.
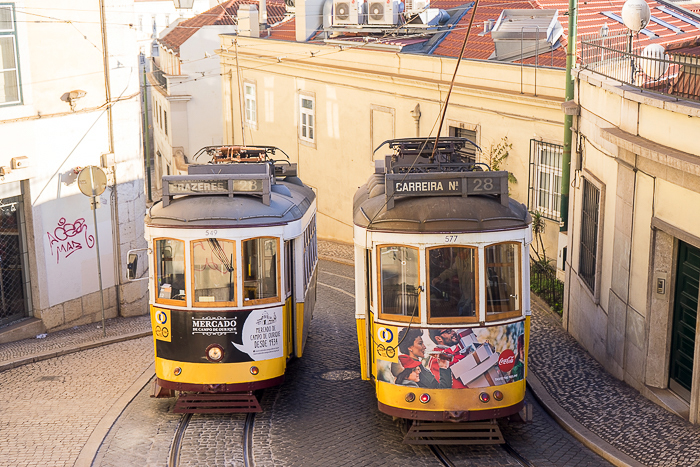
(605, 414)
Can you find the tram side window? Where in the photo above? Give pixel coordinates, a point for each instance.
(260, 268)
(214, 271)
(399, 280)
(453, 290)
(170, 264)
(502, 278)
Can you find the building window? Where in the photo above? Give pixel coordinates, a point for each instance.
(469, 149)
(165, 122)
(589, 234)
(545, 179)
(251, 117)
(9, 68)
(307, 129)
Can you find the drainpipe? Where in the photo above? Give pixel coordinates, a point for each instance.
(568, 119)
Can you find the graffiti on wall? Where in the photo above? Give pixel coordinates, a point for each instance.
(66, 238)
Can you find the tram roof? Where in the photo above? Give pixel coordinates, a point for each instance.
(289, 200)
(411, 192)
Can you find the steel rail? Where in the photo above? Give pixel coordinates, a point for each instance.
(507, 447)
(441, 456)
(174, 458)
(248, 440)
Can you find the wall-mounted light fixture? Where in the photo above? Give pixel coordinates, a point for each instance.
(72, 97)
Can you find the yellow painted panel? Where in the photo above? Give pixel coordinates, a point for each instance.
(219, 373)
(362, 342)
(300, 327)
(450, 399)
(160, 323)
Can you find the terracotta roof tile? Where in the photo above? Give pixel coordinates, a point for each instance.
(285, 30)
(222, 14)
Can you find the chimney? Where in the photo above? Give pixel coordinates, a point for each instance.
(309, 17)
(263, 14)
(248, 24)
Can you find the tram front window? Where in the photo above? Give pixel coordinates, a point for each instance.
(399, 280)
(170, 265)
(214, 273)
(452, 272)
(260, 269)
(502, 280)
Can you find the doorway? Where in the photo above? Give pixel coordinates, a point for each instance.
(685, 316)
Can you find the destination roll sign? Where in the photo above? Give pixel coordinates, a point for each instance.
(230, 184)
(446, 184)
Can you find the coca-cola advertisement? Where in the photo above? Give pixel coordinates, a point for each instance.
(451, 358)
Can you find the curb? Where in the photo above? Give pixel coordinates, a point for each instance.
(94, 442)
(589, 439)
(8, 365)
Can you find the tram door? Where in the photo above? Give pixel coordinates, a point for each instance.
(289, 296)
(685, 317)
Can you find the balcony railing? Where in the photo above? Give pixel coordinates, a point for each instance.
(158, 75)
(668, 73)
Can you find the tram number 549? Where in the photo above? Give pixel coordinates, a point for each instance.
(210, 233)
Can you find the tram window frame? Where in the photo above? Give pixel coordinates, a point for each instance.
(380, 297)
(518, 256)
(477, 276)
(206, 304)
(169, 301)
(259, 301)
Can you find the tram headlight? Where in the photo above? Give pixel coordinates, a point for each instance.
(177, 371)
(425, 398)
(254, 370)
(498, 395)
(410, 397)
(484, 397)
(215, 353)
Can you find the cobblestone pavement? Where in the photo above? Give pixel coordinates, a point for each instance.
(55, 343)
(610, 408)
(49, 409)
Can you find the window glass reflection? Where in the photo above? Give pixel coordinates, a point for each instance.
(399, 280)
(502, 278)
(170, 265)
(452, 282)
(260, 268)
(214, 274)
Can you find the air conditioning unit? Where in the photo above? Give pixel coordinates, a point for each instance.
(415, 6)
(346, 12)
(383, 12)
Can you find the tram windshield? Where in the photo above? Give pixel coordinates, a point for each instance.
(502, 280)
(399, 280)
(260, 269)
(170, 265)
(453, 290)
(214, 271)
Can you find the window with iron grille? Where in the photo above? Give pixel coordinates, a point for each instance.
(545, 179)
(9, 67)
(471, 136)
(589, 234)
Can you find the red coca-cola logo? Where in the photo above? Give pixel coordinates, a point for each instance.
(506, 360)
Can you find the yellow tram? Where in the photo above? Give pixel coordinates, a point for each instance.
(442, 285)
(232, 276)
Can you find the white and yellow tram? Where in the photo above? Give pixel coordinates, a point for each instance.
(232, 280)
(442, 285)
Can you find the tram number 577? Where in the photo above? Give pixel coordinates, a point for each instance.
(450, 238)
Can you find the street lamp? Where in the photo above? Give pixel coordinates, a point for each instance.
(183, 4)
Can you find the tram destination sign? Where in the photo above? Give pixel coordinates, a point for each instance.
(447, 184)
(217, 184)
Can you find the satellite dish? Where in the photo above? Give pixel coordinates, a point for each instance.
(635, 15)
(656, 64)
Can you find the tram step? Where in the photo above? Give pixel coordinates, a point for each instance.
(454, 433)
(217, 403)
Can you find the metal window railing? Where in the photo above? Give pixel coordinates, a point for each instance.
(158, 75)
(544, 284)
(544, 185)
(589, 234)
(617, 57)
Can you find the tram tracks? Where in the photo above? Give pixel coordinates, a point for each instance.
(445, 460)
(176, 446)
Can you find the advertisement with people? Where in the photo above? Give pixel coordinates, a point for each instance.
(450, 358)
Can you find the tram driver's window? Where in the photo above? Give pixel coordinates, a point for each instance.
(214, 274)
(260, 269)
(452, 273)
(502, 279)
(170, 265)
(399, 281)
